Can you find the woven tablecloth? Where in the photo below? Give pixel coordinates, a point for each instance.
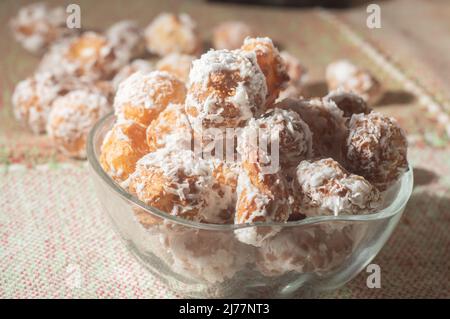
(55, 240)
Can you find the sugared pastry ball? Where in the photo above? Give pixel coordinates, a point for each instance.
(142, 96)
(303, 250)
(91, 56)
(170, 128)
(126, 37)
(88, 58)
(177, 64)
(71, 118)
(143, 66)
(284, 132)
(170, 33)
(326, 122)
(202, 255)
(32, 100)
(37, 26)
(226, 88)
(231, 34)
(271, 64)
(261, 197)
(122, 147)
(376, 149)
(344, 75)
(178, 183)
(33, 97)
(326, 188)
(349, 103)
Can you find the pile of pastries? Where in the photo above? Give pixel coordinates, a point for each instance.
(189, 151)
(92, 64)
(221, 138)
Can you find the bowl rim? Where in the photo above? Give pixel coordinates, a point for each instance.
(396, 207)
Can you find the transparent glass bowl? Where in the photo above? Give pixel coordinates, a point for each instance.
(200, 260)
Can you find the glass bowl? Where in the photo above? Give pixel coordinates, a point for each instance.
(303, 259)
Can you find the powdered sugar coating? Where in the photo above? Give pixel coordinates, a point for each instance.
(177, 64)
(376, 148)
(143, 66)
(271, 64)
(210, 256)
(225, 89)
(71, 118)
(90, 56)
(180, 184)
(344, 75)
(170, 33)
(122, 147)
(285, 127)
(126, 37)
(33, 97)
(326, 188)
(37, 26)
(171, 128)
(349, 103)
(54, 61)
(226, 173)
(303, 250)
(231, 34)
(326, 122)
(142, 96)
(260, 198)
(32, 100)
